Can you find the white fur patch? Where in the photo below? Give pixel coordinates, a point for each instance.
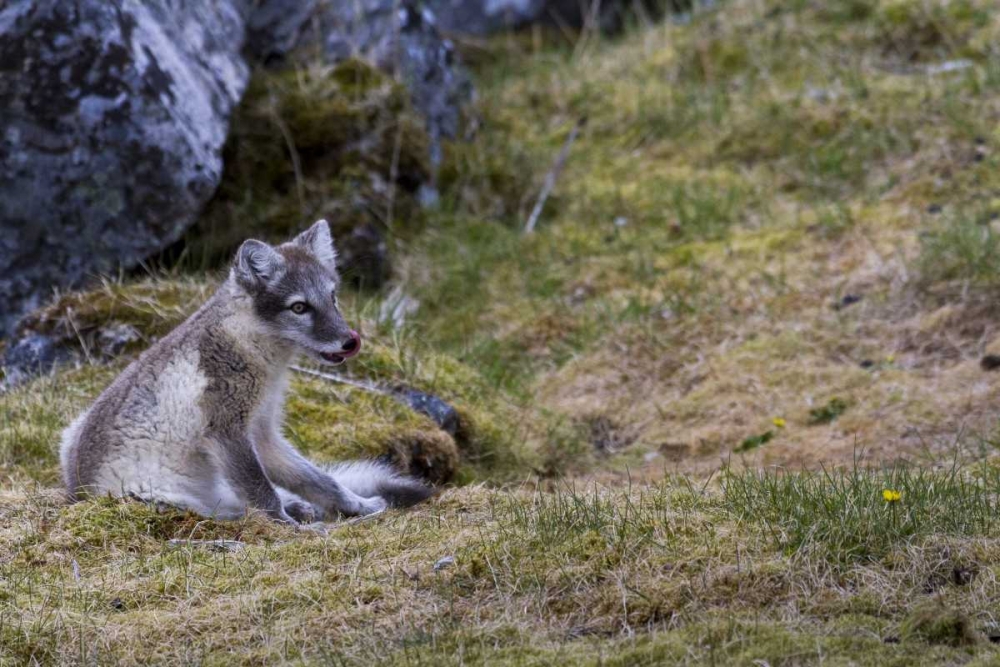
(160, 438)
(69, 438)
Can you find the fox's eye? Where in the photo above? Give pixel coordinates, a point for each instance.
(299, 307)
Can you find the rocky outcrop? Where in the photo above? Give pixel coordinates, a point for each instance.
(402, 37)
(113, 115)
(357, 141)
(399, 36)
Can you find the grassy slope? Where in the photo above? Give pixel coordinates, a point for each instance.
(761, 163)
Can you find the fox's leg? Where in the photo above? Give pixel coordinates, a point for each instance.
(289, 469)
(244, 473)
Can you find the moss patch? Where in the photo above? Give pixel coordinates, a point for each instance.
(340, 143)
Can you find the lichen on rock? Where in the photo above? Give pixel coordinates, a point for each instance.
(114, 119)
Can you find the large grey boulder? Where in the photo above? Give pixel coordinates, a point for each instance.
(113, 114)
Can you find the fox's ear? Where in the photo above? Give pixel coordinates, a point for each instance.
(319, 242)
(257, 264)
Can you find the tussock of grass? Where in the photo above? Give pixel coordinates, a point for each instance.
(963, 247)
(151, 307)
(936, 624)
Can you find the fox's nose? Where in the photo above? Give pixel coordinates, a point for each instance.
(353, 344)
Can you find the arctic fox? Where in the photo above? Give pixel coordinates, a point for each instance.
(195, 421)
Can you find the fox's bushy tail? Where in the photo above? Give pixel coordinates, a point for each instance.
(373, 478)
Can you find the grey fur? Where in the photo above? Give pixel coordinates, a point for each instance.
(196, 420)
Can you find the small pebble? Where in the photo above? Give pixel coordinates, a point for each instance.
(847, 300)
(990, 362)
(447, 561)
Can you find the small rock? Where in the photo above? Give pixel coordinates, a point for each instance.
(821, 95)
(867, 363)
(847, 300)
(990, 362)
(934, 209)
(443, 563)
(443, 414)
(365, 256)
(962, 576)
(211, 545)
(949, 66)
(274, 27)
(113, 338)
(32, 355)
(117, 604)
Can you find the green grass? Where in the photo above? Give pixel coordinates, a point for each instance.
(843, 516)
(828, 412)
(963, 247)
(587, 573)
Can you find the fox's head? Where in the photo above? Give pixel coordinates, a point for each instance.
(293, 288)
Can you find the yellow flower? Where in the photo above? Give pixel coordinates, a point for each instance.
(891, 496)
(778, 422)
(890, 358)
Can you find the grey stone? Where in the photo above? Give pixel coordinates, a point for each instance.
(112, 119)
(113, 338)
(440, 412)
(32, 355)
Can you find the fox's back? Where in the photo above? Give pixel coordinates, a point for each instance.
(145, 422)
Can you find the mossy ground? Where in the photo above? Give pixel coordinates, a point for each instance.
(780, 218)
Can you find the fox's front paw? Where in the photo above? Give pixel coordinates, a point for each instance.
(281, 516)
(300, 511)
